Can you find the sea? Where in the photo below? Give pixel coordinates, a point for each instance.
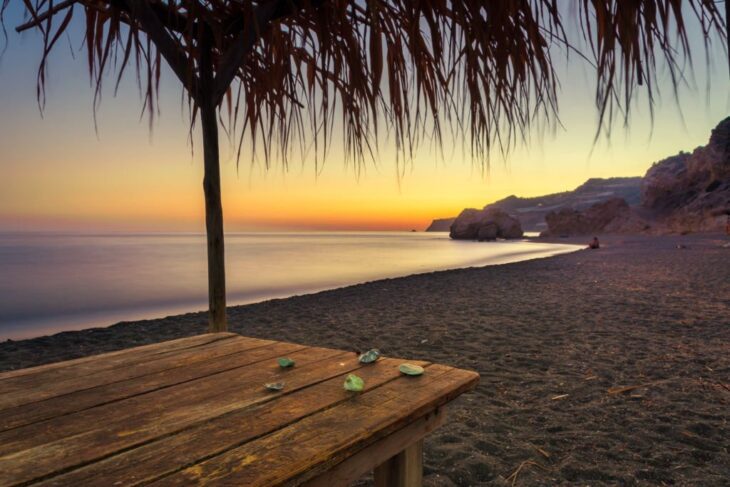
(58, 282)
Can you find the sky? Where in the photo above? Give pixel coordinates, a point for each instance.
(60, 174)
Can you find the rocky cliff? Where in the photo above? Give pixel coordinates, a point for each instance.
(531, 211)
(687, 192)
(691, 192)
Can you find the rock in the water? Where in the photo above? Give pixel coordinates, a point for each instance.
(488, 232)
(510, 228)
(485, 224)
(466, 225)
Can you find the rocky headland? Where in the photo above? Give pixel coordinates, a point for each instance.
(691, 192)
(440, 225)
(688, 192)
(531, 212)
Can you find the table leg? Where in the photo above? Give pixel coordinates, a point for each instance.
(401, 451)
(402, 470)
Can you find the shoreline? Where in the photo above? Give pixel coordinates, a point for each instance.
(47, 325)
(551, 339)
(607, 241)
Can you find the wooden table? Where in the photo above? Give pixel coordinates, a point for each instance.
(195, 410)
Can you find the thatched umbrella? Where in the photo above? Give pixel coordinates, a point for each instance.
(288, 68)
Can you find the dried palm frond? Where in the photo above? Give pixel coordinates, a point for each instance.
(300, 68)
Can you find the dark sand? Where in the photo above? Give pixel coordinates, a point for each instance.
(549, 337)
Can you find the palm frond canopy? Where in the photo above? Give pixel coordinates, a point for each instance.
(483, 67)
(289, 70)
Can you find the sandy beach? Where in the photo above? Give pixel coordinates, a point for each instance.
(597, 367)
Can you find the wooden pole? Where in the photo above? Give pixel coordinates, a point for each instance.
(214, 223)
(212, 189)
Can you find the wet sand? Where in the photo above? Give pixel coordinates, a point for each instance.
(597, 368)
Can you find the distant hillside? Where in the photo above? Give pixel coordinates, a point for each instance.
(531, 211)
(440, 225)
(687, 192)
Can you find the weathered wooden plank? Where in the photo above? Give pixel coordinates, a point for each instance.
(171, 453)
(178, 399)
(38, 450)
(94, 363)
(311, 446)
(380, 454)
(402, 470)
(194, 366)
(41, 389)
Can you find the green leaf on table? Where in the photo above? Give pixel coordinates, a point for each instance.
(410, 369)
(274, 386)
(285, 362)
(370, 356)
(354, 383)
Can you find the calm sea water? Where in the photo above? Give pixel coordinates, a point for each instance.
(51, 283)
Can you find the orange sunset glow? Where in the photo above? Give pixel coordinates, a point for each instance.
(364, 242)
(127, 181)
(58, 173)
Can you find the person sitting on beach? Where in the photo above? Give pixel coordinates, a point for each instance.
(594, 244)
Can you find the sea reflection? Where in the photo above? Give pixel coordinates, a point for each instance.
(51, 283)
